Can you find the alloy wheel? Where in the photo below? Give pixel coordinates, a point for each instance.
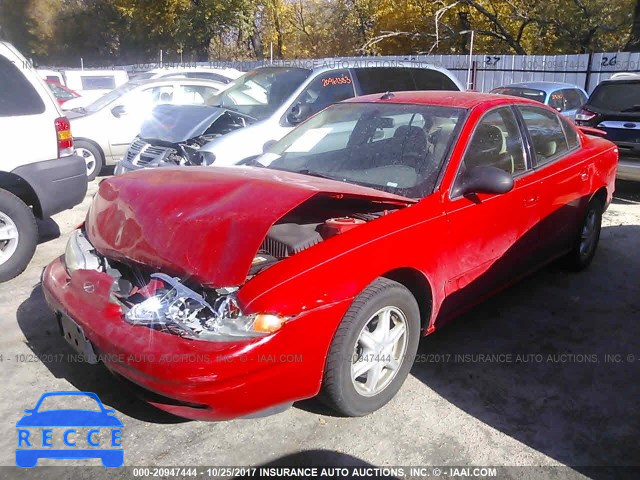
(9, 238)
(379, 351)
(89, 159)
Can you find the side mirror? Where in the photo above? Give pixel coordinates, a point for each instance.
(119, 111)
(267, 145)
(485, 179)
(298, 113)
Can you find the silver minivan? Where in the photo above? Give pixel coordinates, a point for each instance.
(262, 106)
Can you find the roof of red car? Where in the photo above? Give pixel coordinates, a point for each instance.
(439, 97)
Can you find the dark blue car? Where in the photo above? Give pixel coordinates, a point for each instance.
(31, 447)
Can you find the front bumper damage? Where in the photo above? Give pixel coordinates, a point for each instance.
(207, 380)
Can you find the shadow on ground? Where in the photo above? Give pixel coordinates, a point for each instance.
(40, 329)
(566, 384)
(554, 361)
(48, 230)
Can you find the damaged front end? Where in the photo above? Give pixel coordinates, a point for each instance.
(167, 303)
(174, 135)
(184, 274)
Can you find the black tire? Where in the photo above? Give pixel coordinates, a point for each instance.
(25, 223)
(338, 390)
(581, 255)
(87, 150)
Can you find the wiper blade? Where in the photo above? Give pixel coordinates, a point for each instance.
(313, 173)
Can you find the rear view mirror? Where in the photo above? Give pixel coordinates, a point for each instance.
(485, 179)
(119, 111)
(298, 113)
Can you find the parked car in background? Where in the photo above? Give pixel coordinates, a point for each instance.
(614, 108)
(92, 84)
(62, 93)
(262, 106)
(316, 268)
(48, 74)
(104, 129)
(564, 97)
(222, 75)
(39, 174)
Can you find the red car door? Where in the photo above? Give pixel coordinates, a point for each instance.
(492, 237)
(563, 172)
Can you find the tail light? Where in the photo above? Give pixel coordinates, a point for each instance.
(585, 115)
(63, 136)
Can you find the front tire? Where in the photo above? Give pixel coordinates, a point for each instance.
(587, 238)
(18, 236)
(373, 349)
(92, 157)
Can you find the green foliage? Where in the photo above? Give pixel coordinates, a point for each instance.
(129, 31)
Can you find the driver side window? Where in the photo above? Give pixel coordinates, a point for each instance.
(496, 142)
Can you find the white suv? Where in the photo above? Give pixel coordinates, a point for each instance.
(39, 173)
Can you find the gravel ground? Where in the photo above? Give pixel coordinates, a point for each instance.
(564, 392)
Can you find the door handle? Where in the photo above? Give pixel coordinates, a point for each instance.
(584, 176)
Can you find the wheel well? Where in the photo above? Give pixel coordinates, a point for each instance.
(97, 147)
(418, 285)
(20, 188)
(601, 195)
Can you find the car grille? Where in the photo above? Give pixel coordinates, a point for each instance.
(141, 153)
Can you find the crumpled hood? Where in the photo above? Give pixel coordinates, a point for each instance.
(179, 123)
(206, 223)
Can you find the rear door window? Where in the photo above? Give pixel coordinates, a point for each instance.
(380, 80)
(558, 100)
(546, 132)
(575, 98)
(570, 132)
(17, 95)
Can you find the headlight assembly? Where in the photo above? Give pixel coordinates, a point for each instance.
(177, 306)
(79, 253)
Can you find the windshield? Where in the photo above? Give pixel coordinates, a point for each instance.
(530, 93)
(396, 148)
(260, 92)
(616, 96)
(110, 97)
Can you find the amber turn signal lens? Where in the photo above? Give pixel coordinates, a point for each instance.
(268, 323)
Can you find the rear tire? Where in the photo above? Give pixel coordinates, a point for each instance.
(92, 157)
(18, 236)
(587, 238)
(367, 364)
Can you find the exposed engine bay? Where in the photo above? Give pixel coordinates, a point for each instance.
(184, 307)
(313, 222)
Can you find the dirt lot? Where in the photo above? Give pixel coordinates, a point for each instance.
(564, 392)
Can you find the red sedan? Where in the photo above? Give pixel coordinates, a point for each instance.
(230, 291)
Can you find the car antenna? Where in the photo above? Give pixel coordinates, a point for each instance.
(387, 96)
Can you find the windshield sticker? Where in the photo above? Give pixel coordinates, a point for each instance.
(342, 80)
(308, 140)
